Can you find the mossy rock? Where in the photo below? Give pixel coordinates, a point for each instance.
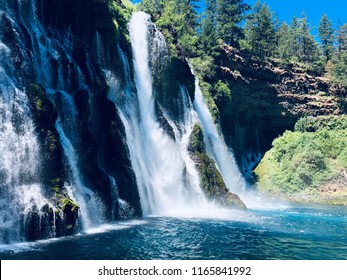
(70, 216)
(69, 205)
(43, 110)
(211, 180)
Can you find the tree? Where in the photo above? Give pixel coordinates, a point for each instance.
(178, 20)
(260, 31)
(209, 36)
(153, 7)
(229, 15)
(304, 45)
(342, 39)
(284, 42)
(326, 35)
(339, 69)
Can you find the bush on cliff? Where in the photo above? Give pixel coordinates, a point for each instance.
(303, 160)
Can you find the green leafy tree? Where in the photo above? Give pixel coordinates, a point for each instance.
(179, 22)
(326, 35)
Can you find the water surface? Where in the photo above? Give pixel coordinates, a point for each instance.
(299, 232)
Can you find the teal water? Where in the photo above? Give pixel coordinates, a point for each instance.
(316, 232)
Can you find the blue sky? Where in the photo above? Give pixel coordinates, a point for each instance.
(335, 9)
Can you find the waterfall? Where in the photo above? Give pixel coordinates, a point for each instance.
(49, 63)
(90, 205)
(167, 178)
(216, 146)
(20, 188)
(224, 158)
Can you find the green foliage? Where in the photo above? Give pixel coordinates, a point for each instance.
(301, 161)
(326, 35)
(205, 70)
(339, 70)
(312, 124)
(205, 66)
(284, 42)
(197, 143)
(339, 64)
(260, 30)
(55, 185)
(178, 20)
(342, 39)
(229, 16)
(221, 92)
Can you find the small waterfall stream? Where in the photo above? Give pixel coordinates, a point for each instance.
(216, 146)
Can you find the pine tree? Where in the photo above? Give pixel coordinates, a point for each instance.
(304, 47)
(339, 69)
(342, 39)
(260, 31)
(284, 42)
(230, 14)
(209, 36)
(294, 38)
(326, 35)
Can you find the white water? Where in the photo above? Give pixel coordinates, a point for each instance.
(167, 179)
(20, 189)
(91, 208)
(225, 160)
(18, 145)
(216, 146)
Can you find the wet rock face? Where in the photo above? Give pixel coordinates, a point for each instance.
(102, 151)
(211, 179)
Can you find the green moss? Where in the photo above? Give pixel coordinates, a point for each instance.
(197, 140)
(38, 97)
(69, 205)
(211, 180)
(55, 185)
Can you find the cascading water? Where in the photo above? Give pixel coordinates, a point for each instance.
(216, 146)
(20, 188)
(224, 159)
(167, 179)
(50, 64)
(90, 204)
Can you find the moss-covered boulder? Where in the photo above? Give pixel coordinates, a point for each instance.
(70, 216)
(211, 179)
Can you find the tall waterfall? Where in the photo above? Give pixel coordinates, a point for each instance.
(51, 61)
(167, 179)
